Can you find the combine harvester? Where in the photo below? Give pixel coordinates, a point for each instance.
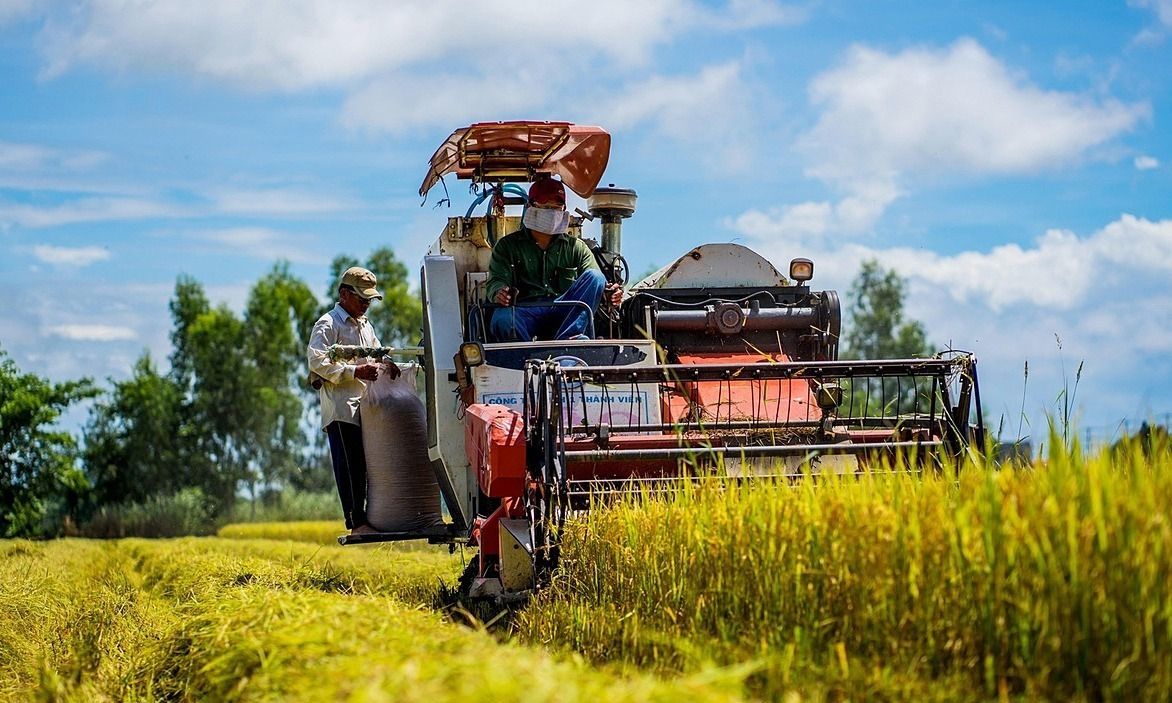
(715, 365)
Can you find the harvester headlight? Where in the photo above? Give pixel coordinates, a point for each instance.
(829, 396)
(472, 353)
(801, 270)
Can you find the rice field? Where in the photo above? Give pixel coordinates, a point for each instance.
(1043, 583)
(317, 531)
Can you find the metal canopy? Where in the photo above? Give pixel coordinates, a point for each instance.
(517, 151)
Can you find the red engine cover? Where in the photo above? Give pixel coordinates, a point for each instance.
(494, 440)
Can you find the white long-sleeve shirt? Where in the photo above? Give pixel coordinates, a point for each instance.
(340, 393)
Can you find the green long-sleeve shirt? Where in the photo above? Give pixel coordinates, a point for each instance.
(519, 263)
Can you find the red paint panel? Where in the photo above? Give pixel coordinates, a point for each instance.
(776, 401)
(494, 441)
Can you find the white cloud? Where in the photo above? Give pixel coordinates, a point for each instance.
(261, 243)
(673, 102)
(405, 102)
(86, 210)
(1162, 8)
(92, 333)
(70, 256)
(285, 203)
(1058, 272)
(1146, 163)
(276, 202)
(417, 64)
(891, 121)
(809, 219)
(709, 109)
(21, 155)
(300, 44)
(28, 157)
(12, 10)
(812, 219)
(928, 111)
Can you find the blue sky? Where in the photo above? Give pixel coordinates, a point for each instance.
(1012, 160)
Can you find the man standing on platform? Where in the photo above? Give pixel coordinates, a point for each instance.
(342, 386)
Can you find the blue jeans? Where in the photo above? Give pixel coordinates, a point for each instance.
(514, 324)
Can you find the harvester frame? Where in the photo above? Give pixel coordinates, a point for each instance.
(715, 366)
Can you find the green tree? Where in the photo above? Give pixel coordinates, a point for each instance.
(133, 440)
(228, 414)
(398, 318)
(186, 306)
(220, 410)
(37, 462)
(278, 318)
(878, 329)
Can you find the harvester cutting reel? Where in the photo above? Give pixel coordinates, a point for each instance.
(860, 416)
(546, 488)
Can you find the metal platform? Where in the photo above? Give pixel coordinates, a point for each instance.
(440, 534)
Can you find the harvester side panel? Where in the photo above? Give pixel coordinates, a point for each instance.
(442, 335)
(494, 438)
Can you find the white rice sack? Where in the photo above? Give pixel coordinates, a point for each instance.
(402, 494)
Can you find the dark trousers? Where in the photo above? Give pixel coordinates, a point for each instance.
(349, 470)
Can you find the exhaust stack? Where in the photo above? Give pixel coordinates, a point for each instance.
(612, 205)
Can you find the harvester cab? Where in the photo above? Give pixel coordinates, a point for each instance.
(716, 365)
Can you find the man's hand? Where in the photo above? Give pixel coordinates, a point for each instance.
(391, 368)
(366, 372)
(614, 292)
(503, 296)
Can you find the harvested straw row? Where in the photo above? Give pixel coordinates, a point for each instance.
(230, 620)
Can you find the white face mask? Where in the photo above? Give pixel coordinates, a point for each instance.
(546, 220)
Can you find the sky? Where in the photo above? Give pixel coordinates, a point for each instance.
(1011, 160)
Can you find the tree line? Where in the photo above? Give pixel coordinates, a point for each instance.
(233, 413)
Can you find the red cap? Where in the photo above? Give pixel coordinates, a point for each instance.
(547, 191)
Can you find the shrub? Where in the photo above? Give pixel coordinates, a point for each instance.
(289, 505)
(188, 512)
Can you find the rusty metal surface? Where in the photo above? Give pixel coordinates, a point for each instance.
(517, 151)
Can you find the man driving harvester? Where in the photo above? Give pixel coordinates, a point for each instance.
(541, 263)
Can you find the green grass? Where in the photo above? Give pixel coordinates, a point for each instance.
(1046, 582)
